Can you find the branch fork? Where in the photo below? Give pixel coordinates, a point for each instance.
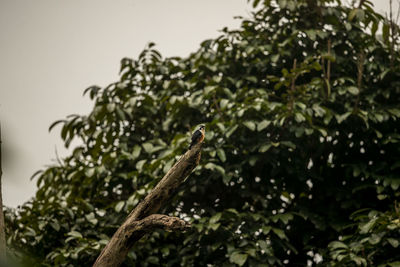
(143, 219)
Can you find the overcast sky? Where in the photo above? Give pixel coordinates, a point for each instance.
(50, 51)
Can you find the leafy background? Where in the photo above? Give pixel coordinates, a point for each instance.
(301, 158)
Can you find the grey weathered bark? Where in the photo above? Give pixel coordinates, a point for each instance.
(141, 221)
(2, 226)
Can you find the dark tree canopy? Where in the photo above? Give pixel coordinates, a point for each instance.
(301, 160)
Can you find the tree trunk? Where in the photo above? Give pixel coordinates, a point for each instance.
(2, 226)
(141, 221)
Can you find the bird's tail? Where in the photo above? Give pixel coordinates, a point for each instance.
(191, 145)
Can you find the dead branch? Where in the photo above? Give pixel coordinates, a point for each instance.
(142, 219)
(158, 221)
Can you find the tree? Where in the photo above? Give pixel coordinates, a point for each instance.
(300, 161)
(2, 227)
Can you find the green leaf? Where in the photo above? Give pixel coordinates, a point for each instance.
(208, 89)
(263, 245)
(136, 151)
(393, 242)
(395, 112)
(252, 79)
(253, 160)
(374, 239)
(223, 103)
(352, 14)
(275, 58)
(220, 169)
(291, 5)
(55, 123)
(119, 206)
(262, 125)
(280, 233)
(231, 131)
(311, 34)
(75, 234)
(353, 90)
(139, 164)
(357, 12)
(238, 258)
(232, 211)
(216, 217)
(286, 217)
(89, 172)
(341, 118)
(153, 260)
(395, 184)
(91, 218)
(383, 74)
(255, 3)
(366, 227)
(210, 166)
(337, 244)
(289, 144)
(264, 148)
(221, 126)
(214, 226)
(213, 166)
(148, 147)
(221, 154)
(110, 107)
(299, 117)
(250, 124)
(55, 226)
(275, 144)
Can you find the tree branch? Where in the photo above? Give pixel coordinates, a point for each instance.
(328, 68)
(157, 221)
(138, 222)
(293, 85)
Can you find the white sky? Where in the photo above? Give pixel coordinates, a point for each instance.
(50, 51)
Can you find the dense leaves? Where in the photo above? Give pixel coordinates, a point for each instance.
(302, 155)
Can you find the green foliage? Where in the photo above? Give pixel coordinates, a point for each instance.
(301, 158)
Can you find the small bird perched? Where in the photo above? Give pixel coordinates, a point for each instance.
(198, 136)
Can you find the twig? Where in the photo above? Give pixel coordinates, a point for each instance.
(360, 70)
(328, 72)
(293, 85)
(217, 107)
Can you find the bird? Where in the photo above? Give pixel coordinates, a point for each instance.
(198, 136)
